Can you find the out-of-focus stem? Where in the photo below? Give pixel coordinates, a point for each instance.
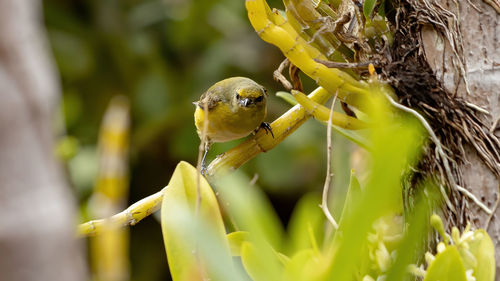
(109, 251)
(131, 216)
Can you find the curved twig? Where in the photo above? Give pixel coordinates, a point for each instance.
(326, 187)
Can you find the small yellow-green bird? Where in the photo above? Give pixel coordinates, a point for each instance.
(236, 107)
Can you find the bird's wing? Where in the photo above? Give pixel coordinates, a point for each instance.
(210, 99)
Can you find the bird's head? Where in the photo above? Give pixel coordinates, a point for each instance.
(250, 96)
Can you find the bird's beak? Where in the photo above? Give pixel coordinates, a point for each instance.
(245, 102)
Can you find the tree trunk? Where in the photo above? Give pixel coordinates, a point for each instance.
(37, 213)
(481, 47)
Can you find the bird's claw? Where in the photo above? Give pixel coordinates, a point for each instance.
(267, 127)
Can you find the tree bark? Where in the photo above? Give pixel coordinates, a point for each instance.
(480, 34)
(37, 213)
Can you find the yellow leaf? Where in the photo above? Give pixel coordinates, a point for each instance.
(194, 236)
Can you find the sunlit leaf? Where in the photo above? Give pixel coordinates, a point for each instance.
(447, 266)
(484, 251)
(259, 265)
(250, 209)
(413, 243)
(235, 240)
(306, 224)
(191, 231)
(286, 96)
(353, 195)
(253, 213)
(295, 267)
(395, 142)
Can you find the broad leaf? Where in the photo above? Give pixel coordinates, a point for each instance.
(252, 212)
(195, 238)
(306, 265)
(484, 251)
(235, 240)
(306, 225)
(261, 262)
(395, 142)
(447, 266)
(368, 7)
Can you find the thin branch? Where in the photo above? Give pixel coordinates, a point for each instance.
(474, 198)
(130, 216)
(326, 187)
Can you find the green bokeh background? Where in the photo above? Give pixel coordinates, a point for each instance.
(162, 54)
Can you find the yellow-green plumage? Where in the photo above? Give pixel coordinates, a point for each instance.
(236, 107)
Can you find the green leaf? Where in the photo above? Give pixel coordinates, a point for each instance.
(484, 251)
(417, 229)
(381, 9)
(306, 225)
(395, 141)
(250, 209)
(286, 96)
(252, 262)
(354, 136)
(353, 196)
(447, 266)
(235, 240)
(368, 7)
(252, 212)
(259, 265)
(295, 269)
(187, 230)
(307, 265)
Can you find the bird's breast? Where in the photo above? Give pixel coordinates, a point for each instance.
(226, 123)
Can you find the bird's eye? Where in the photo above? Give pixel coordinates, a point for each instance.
(259, 99)
(238, 96)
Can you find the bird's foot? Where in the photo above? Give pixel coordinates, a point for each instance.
(203, 169)
(267, 127)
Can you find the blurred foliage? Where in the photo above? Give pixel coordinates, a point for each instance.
(460, 256)
(162, 54)
(374, 241)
